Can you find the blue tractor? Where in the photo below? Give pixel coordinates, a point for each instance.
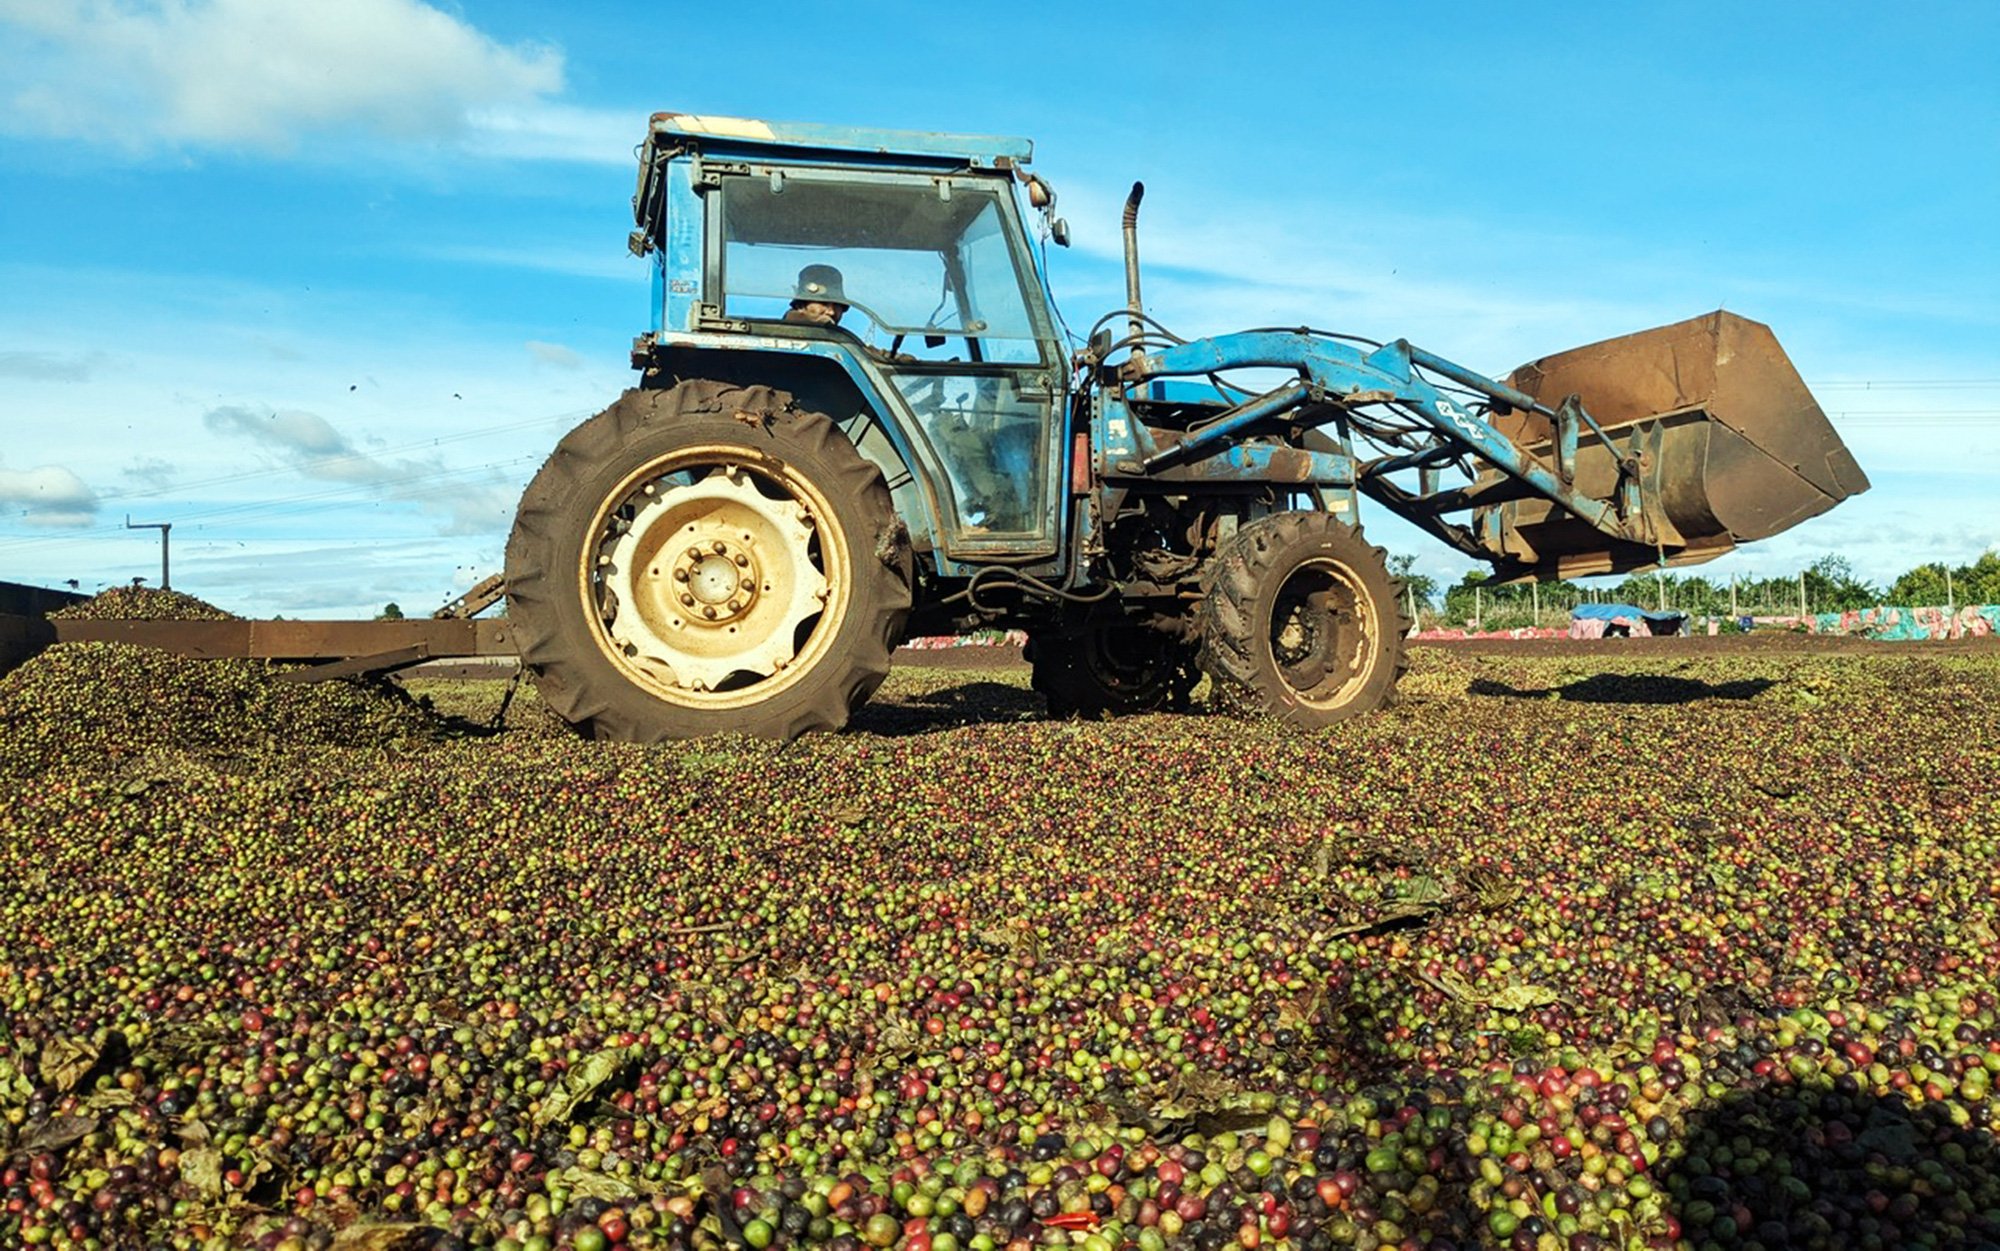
(859, 415)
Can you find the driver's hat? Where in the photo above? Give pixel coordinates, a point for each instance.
(821, 283)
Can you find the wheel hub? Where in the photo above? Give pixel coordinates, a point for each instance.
(710, 581)
(719, 582)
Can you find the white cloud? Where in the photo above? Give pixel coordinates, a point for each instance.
(555, 354)
(47, 496)
(613, 263)
(152, 474)
(475, 502)
(264, 75)
(556, 132)
(51, 366)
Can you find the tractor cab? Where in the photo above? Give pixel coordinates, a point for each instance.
(895, 273)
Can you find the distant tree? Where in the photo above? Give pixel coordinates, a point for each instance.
(1460, 601)
(1421, 585)
(1922, 586)
(1979, 582)
(1697, 594)
(1831, 586)
(391, 611)
(1641, 590)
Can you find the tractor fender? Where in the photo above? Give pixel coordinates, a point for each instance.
(829, 377)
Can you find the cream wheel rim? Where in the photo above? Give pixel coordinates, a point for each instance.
(1323, 638)
(716, 581)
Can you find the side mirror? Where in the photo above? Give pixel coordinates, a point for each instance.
(1059, 231)
(933, 340)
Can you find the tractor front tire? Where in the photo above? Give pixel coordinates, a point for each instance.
(707, 559)
(1110, 670)
(1302, 622)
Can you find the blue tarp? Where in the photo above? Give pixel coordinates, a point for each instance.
(1612, 612)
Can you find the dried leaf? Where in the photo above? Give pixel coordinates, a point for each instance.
(1521, 997)
(14, 1084)
(110, 1100)
(57, 1132)
(1416, 890)
(66, 1060)
(580, 1083)
(399, 1237)
(201, 1169)
(1489, 888)
(583, 1183)
(1385, 919)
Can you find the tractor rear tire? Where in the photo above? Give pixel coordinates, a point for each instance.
(707, 559)
(1302, 622)
(1110, 670)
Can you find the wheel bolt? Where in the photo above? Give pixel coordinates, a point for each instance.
(742, 562)
(694, 553)
(708, 612)
(688, 600)
(720, 547)
(748, 585)
(680, 575)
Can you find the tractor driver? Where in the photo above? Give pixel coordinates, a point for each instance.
(818, 300)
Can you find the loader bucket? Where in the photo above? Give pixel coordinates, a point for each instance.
(1736, 447)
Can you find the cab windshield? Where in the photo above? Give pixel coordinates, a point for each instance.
(915, 256)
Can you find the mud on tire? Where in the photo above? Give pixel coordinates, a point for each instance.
(707, 559)
(1302, 622)
(1110, 670)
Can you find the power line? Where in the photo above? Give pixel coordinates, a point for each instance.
(1917, 417)
(292, 506)
(321, 463)
(1914, 384)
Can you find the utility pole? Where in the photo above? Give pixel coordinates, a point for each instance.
(166, 528)
(1660, 584)
(1802, 596)
(1535, 590)
(1732, 596)
(1478, 613)
(1950, 598)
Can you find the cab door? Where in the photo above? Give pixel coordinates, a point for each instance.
(934, 273)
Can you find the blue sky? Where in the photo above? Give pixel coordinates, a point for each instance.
(321, 283)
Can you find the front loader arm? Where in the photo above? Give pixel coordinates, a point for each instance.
(1330, 370)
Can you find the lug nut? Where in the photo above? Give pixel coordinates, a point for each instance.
(688, 600)
(680, 575)
(748, 585)
(742, 561)
(694, 553)
(720, 547)
(708, 612)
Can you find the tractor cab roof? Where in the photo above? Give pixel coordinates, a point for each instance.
(747, 135)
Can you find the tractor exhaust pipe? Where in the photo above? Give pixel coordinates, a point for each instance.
(1132, 303)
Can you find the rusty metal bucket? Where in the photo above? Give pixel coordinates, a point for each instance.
(1734, 446)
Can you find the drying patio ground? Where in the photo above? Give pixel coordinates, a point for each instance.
(1622, 946)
